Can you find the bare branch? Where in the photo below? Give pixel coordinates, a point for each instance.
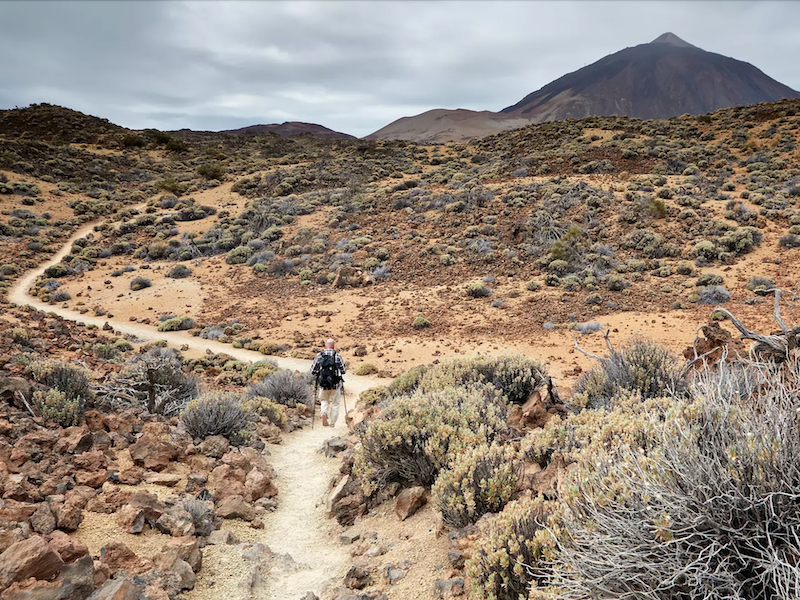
(585, 352)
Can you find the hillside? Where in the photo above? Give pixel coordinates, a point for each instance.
(665, 78)
(161, 289)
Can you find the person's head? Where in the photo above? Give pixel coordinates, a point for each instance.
(330, 344)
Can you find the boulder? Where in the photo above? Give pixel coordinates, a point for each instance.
(394, 573)
(357, 578)
(43, 521)
(68, 548)
(16, 512)
(131, 476)
(186, 548)
(153, 508)
(28, 558)
(117, 589)
(236, 461)
(118, 557)
(9, 537)
(131, 519)
(215, 446)
(165, 479)
(74, 582)
(176, 522)
(338, 492)
(222, 537)
(334, 446)
(531, 415)
(409, 501)
(153, 453)
(259, 485)
(74, 440)
(236, 507)
(69, 516)
(9, 386)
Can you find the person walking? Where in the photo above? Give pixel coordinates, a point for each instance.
(328, 369)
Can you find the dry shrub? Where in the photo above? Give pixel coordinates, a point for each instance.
(480, 481)
(642, 367)
(224, 414)
(713, 514)
(523, 535)
(373, 396)
(417, 436)
(284, 387)
(159, 381)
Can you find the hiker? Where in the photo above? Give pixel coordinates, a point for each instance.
(327, 369)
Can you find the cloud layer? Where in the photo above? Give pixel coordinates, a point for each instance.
(351, 66)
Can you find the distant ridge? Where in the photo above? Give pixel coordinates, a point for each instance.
(292, 128)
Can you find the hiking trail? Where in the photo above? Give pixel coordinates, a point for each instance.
(303, 553)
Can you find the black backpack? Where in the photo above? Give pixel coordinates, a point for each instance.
(328, 376)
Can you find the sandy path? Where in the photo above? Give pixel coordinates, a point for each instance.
(299, 527)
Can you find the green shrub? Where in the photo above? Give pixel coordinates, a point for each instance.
(140, 283)
(523, 537)
(642, 367)
(179, 272)
(709, 279)
(71, 380)
(259, 369)
(54, 406)
(476, 289)
(366, 369)
(421, 323)
(760, 283)
(533, 286)
(224, 414)
(58, 270)
(211, 171)
(177, 324)
(417, 436)
(480, 481)
(239, 255)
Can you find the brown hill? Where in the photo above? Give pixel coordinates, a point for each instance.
(441, 125)
(51, 123)
(665, 78)
(292, 128)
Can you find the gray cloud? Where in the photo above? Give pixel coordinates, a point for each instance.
(352, 66)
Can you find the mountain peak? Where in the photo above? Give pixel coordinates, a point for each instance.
(671, 39)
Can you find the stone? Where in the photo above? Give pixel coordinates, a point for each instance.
(334, 446)
(357, 578)
(178, 576)
(118, 557)
(152, 452)
(9, 537)
(131, 519)
(131, 476)
(16, 512)
(236, 461)
(394, 573)
(449, 588)
(347, 509)
(68, 548)
(186, 548)
(10, 386)
(43, 521)
(152, 506)
(338, 493)
(310, 596)
(236, 507)
(409, 501)
(165, 479)
(226, 481)
(74, 582)
(117, 589)
(259, 485)
(28, 558)
(349, 537)
(222, 537)
(546, 481)
(215, 446)
(69, 516)
(93, 479)
(74, 440)
(456, 558)
(176, 522)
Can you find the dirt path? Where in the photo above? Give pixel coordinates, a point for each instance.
(299, 529)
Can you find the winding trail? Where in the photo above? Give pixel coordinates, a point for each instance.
(299, 529)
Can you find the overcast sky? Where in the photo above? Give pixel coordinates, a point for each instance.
(351, 66)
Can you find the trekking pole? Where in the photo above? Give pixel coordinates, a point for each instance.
(314, 404)
(344, 399)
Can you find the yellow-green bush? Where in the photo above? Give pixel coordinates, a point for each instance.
(73, 381)
(481, 480)
(407, 383)
(417, 436)
(54, 405)
(366, 369)
(264, 407)
(373, 396)
(514, 550)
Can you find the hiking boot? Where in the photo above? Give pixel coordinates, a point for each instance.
(324, 420)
